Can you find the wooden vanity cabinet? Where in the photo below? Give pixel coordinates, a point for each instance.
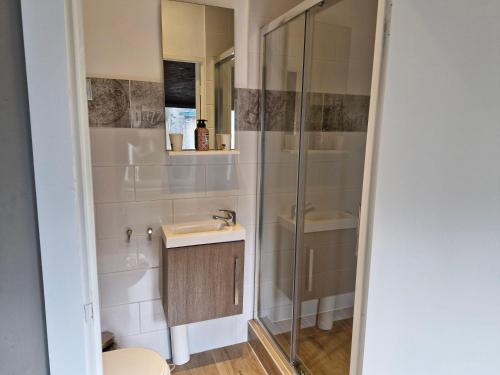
(327, 264)
(203, 282)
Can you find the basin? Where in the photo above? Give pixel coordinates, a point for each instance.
(321, 221)
(196, 227)
(201, 232)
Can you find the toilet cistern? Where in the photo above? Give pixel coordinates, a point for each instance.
(230, 219)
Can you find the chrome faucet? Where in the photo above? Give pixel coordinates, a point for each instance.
(229, 219)
(308, 208)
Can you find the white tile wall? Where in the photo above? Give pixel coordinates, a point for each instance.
(113, 184)
(231, 179)
(152, 316)
(148, 251)
(168, 182)
(246, 208)
(334, 182)
(112, 220)
(130, 286)
(116, 255)
(201, 208)
(157, 340)
(214, 333)
(137, 185)
(122, 320)
(247, 145)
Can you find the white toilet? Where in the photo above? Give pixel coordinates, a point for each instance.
(134, 361)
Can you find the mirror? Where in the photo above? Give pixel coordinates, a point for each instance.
(198, 70)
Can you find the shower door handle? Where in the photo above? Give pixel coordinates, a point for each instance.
(310, 271)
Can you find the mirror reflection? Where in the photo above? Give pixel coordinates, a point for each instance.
(198, 68)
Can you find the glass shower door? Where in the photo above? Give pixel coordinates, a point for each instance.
(282, 83)
(316, 87)
(337, 82)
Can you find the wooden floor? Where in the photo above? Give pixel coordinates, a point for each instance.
(236, 359)
(324, 352)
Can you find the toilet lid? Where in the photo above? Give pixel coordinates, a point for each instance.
(134, 361)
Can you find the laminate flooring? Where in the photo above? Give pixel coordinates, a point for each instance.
(324, 352)
(235, 359)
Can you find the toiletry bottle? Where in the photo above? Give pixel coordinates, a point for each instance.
(201, 136)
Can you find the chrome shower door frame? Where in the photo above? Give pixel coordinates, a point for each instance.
(300, 9)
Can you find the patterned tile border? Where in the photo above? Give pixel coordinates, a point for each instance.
(118, 103)
(110, 103)
(247, 103)
(326, 112)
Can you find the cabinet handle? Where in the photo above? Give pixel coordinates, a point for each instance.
(235, 281)
(311, 268)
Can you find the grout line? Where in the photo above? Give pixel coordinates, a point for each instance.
(140, 318)
(129, 303)
(144, 333)
(135, 187)
(130, 270)
(132, 303)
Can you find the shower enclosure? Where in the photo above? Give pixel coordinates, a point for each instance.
(316, 80)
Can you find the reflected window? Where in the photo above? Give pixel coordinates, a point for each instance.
(181, 105)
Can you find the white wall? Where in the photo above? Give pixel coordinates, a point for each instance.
(434, 301)
(183, 30)
(123, 39)
(23, 342)
(115, 50)
(112, 51)
(342, 47)
(260, 13)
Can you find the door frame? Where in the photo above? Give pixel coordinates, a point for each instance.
(55, 70)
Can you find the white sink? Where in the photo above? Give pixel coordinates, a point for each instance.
(321, 221)
(201, 232)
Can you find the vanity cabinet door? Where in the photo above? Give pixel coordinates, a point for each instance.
(203, 282)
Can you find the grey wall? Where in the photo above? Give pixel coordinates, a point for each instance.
(22, 323)
(434, 284)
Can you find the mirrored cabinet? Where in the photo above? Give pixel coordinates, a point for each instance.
(198, 68)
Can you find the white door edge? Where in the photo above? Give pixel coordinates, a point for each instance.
(55, 69)
(365, 214)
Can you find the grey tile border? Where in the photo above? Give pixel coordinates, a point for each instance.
(326, 112)
(138, 104)
(110, 103)
(335, 116)
(279, 112)
(147, 104)
(247, 102)
(314, 115)
(345, 112)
